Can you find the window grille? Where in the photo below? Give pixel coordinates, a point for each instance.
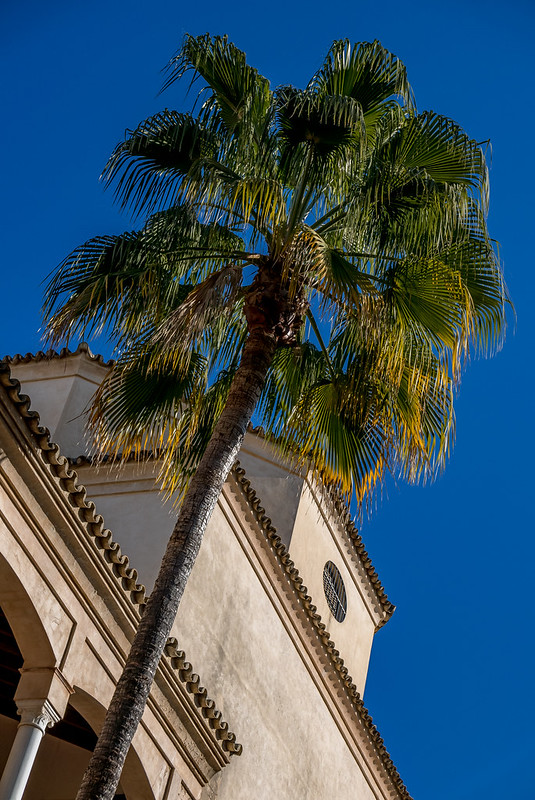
(335, 591)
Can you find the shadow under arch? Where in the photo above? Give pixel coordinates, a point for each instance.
(134, 781)
(24, 619)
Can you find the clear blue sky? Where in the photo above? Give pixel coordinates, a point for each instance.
(451, 675)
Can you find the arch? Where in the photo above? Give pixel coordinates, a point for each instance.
(11, 660)
(24, 619)
(134, 780)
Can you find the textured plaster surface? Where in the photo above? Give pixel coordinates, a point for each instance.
(134, 509)
(61, 391)
(278, 488)
(314, 542)
(262, 683)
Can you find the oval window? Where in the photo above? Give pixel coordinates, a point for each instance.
(335, 591)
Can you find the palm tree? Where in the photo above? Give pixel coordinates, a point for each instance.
(320, 255)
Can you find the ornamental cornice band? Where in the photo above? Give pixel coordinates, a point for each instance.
(301, 592)
(126, 576)
(341, 511)
(50, 355)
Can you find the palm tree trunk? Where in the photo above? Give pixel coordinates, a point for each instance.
(128, 702)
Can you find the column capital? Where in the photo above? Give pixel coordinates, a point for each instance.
(37, 713)
(43, 687)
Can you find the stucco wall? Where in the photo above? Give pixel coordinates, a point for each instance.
(261, 678)
(315, 540)
(60, 390)
(278, 488)
(134, 509)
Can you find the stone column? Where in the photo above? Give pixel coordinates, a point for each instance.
(36, 716)
(41, 698)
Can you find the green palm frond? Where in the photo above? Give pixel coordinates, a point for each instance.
(332, 124)
(258, 200)
(476, 263)
(352, 425)
(440, 148)
(306, 412)
(418, 188)
(284, 385)
(345, 225)
(421, 406)
(136, 407)
(148, 169)
(179, 234)
(239, 93)
(340, 280)
(325, 434)
(106, 281)
(136, 279)
(366, 72)
(427, 296)
(167, 411)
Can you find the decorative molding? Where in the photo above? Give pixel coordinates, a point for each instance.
(338, 669)
(208, 709)
(50, 355)
(102, 537)
(37, 714)
(340, 511)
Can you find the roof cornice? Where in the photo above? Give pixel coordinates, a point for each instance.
(337, 502)
(51, 355)
(340, 511)
(112, 557)
(300, 590)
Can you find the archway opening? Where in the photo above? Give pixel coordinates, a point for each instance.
(66, 745)
(11, 661)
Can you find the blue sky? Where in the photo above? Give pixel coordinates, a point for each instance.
(450, 684)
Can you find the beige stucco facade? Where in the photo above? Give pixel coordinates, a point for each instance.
(277, 710)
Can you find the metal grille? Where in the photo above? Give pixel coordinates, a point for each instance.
(335, 591)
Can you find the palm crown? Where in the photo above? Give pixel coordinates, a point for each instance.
(334, 220)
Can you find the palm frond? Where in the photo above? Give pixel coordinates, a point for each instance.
(134, 280)
(369, 74)
(476, 263)
(440, 148)
(211, 303)
(347, 225)
(322, 434)
(106, 281)
(239, 92)
(259, 201)
(148, 169)
(188, 440)
(136, 407)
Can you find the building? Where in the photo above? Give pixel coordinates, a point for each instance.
(260, 692)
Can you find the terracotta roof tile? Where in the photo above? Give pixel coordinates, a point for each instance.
(341, 511)
(103, 539)
(50, 355)
(339, 505)
(337, 662)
